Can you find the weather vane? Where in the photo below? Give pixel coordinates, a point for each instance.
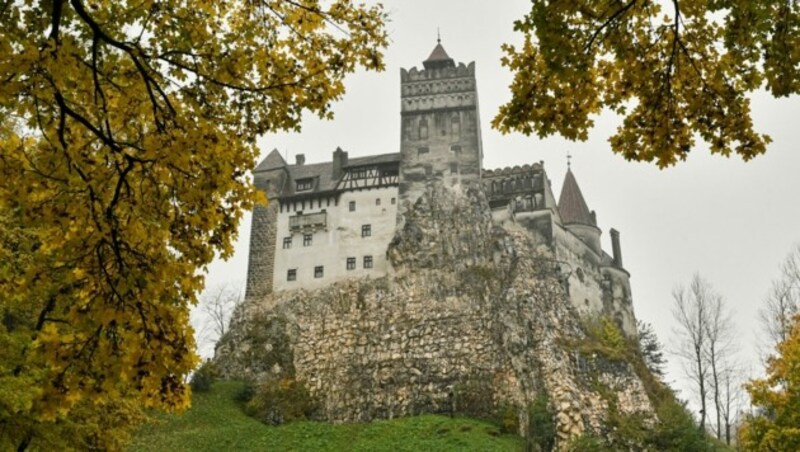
(569, 158)
(438, 36)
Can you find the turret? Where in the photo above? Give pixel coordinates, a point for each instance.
(270, 176)
(575, 214)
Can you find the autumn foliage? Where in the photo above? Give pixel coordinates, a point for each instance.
(675, 71)
(776, 423)
(127, 130)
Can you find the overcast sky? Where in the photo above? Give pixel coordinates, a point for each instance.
(729, 220)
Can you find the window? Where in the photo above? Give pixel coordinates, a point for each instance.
(454, 168)
(307, 238)
(423, 130)
(291, 275)
(456, 149)
(366, 230)
(351, 263)
(394, 201)
(319, 271)
(287, 242)
(367, 261)
(377, 201)
(305, 184)
(422, 151)
(352, 206)
(455, 126)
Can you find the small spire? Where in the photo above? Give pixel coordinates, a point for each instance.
(438, 36)
(569, 159)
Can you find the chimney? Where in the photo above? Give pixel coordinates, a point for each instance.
(339, 162)
(300, 159)
(617, 250)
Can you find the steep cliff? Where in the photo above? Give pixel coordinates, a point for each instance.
(473, 316)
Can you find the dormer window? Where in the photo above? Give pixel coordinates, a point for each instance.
(305, 184)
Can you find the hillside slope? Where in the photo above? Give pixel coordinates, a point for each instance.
(216, 422)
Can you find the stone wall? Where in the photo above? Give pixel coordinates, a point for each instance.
(470, 304)
(261, 260)
(440, 129)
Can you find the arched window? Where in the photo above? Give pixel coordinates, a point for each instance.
(455, 126)
(423, 129)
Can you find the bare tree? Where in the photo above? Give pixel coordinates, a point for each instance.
(719, 330)
(782, 302)
(706, 345)
(732, 398)
(690, 310)
(217, 305)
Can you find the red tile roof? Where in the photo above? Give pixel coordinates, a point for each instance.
(571, 205)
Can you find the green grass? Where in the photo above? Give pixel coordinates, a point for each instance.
(216, 422)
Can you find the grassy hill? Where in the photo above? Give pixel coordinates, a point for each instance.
(216, 422)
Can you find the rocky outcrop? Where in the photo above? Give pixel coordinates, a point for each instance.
(469, 304)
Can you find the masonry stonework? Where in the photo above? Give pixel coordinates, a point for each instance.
(478, 279)
(470, 304)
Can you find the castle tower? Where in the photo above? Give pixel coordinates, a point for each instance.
(269, 176)
(575, 214)
(440, 129)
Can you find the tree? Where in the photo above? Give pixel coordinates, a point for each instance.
(776, 427)
(782, 302)
(127, 130)
(719, 331)
(732, 399)
(651, 349)
(217, 305)
(704, 334)
(675, 71)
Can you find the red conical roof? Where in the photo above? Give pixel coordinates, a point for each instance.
(571, 205)
(439, 58)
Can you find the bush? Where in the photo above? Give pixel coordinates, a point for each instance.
(203, 377)
(508, 418)
(283, 401)
(245, 393)
(588, 443)
(541, 424)
(474, 399)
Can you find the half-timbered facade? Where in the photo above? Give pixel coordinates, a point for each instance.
(334, 220)
(331, 220)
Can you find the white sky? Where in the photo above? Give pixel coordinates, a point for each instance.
(731, 221)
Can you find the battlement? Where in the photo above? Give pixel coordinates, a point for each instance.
(421, 75)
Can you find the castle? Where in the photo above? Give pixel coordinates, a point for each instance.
(331, 221)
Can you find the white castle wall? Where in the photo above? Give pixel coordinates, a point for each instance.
(341, 239)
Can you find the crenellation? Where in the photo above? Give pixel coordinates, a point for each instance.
(396, 278)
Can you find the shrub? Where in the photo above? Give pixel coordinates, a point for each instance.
(541, 424)
(474, 399)
(281, 401)
(245, 393)
(203, 377)
(508, 418)
(588, 443)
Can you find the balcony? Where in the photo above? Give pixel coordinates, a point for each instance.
(317, 220)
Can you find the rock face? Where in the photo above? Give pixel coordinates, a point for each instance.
(470, 308)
